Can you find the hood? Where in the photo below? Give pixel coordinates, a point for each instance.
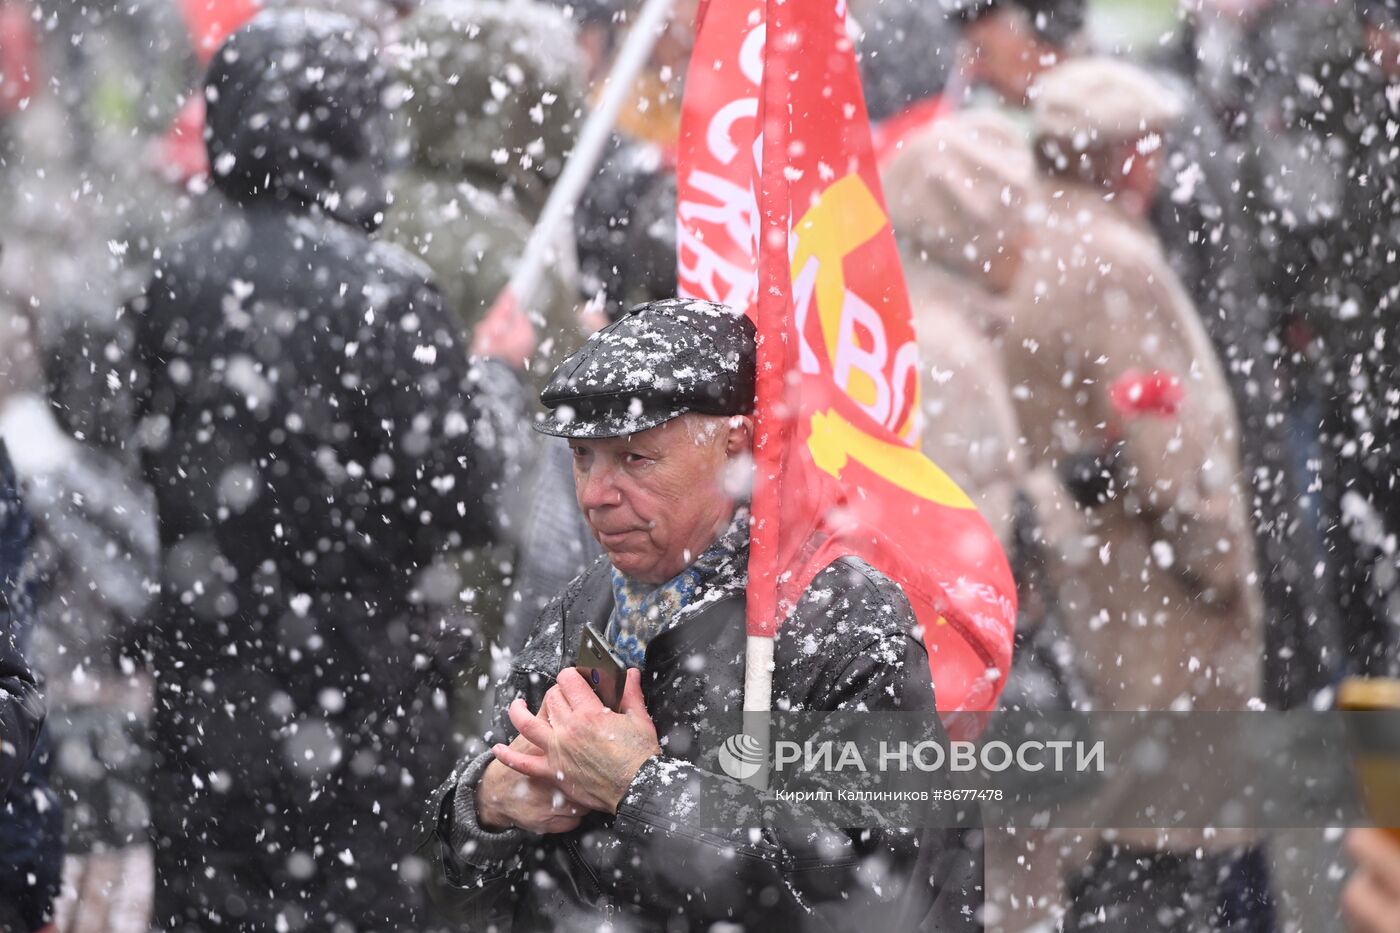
(959, 192)
(296, 114)
(494, 91)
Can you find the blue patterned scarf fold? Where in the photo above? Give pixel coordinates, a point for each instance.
(641, 611)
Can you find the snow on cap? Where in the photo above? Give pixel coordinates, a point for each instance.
(1095, 101)
(661, 360)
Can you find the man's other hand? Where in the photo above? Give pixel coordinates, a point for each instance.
(506, 798)
(1371, 900)
(588, 752)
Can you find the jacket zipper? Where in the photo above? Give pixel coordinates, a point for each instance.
(590, 877)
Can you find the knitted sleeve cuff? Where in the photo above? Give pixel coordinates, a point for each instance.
(473, 845)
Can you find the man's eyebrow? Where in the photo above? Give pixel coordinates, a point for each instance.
(647, 448)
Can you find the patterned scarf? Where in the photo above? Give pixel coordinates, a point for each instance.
(641, 611)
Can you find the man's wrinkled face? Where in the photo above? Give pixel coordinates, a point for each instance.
(656, 500)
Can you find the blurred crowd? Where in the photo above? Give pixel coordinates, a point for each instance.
(282, 529)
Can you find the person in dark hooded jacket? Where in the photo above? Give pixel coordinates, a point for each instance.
(310, 426)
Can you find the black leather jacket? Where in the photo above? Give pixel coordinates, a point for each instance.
(848, 646)
(21, 705)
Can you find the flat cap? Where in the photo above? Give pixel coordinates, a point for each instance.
(1091, 102)
(658, 361)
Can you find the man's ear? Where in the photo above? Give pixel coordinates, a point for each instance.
(739, 440)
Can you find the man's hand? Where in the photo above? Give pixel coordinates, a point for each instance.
(584, 749)
(1371, 899)
(506, 798)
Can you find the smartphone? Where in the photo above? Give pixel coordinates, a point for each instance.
(603, 669)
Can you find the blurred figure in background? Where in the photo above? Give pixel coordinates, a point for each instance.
(962, 196)
(1304, 92)
(494, 101)
(1350, 130)
(92, 560)
(1008, 44)
(958, 193)
(313, 430)
(84, 205)
(1199, 218)
(908, 55)
(1120, 394)
(625, 225)
(31, 821)
(1207, 232)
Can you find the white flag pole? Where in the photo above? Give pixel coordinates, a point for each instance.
(758, 674)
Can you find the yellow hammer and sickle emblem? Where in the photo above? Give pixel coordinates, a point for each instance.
(835, 442)
(845, 217)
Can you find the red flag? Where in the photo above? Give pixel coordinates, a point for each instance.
(179, 153)
(210, 22)
(781, 213)
(19, 57)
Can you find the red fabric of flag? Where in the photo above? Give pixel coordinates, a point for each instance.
(19, 56)
(781, 213)
(210, 22)
(180, 155)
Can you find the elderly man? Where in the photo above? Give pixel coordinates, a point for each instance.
(579, 813)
